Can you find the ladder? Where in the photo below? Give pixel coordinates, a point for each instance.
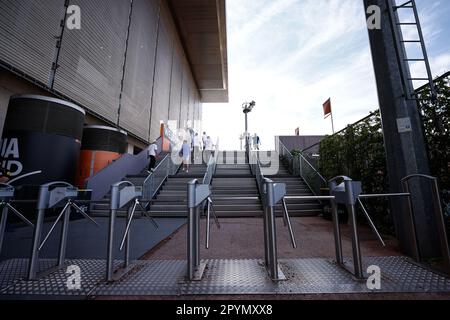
(402, 56)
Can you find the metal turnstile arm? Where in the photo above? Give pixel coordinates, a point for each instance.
(288, 223)
(84, 214)
(372, 225)
(148, 216)
(210, 208)
(127, 229)
(54, 225)
(18, 214)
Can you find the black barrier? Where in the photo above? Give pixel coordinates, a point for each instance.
(42, 135)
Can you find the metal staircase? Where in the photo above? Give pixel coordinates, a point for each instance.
(397, 13)
(102, 209)
(295, 186)
(171, 201)
(234, 189)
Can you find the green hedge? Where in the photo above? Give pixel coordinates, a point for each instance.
(358, 152)
(436, 118)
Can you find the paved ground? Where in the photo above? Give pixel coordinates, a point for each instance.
(86, 241)
(243, 239)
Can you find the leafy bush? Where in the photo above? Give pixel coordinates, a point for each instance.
(358, 152)
(436, 119)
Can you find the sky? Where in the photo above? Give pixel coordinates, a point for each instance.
(290, 56)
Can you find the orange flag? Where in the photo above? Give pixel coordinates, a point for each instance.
(327, 108)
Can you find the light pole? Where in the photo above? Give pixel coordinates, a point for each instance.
(247, 108)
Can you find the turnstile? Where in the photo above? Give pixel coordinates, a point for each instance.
(53, 195)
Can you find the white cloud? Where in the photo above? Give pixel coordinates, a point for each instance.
(290, 56)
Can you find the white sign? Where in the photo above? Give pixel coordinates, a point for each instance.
(404, 125)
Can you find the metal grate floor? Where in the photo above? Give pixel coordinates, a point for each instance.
(222, 277)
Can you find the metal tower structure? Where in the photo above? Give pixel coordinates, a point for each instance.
(402, 126)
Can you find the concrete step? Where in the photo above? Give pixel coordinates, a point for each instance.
(300, 213)
(233, 180)
(300, 206)
(249, 184)
(239, 214)
(244, 202)
(237, 207)
(229, 193)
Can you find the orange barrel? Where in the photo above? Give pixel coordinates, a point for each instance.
(101, 146)
(41, 140)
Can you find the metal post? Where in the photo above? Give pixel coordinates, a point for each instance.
(32, 266)
(357, 262)
(337, 233)
(265, 225)
(266, 238)
(191, 252)
(128, 238)
(3, 222)
(197, 236)
(64, 233)
(246, 123)
(191, 244)
(110, 254)
(273, 244)
(412, 224)
(115, 194)
(272, 236)
(403, 131)
(208, 224)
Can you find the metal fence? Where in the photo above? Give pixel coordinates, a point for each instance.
(157, 178)
(298, 165)
(358, 150)
(211, 166)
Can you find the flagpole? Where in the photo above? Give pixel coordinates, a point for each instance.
(332, 122)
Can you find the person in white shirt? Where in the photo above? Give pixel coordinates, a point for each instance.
(197, 147)
(204, 138)
(209, 148)
(185, 154)
(152, 150)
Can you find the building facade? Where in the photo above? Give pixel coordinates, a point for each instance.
(131, 64)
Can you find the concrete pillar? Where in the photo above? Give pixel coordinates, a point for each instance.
(406, 151)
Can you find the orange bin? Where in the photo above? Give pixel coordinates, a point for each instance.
(101, 146)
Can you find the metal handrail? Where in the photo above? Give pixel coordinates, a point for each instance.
(301, 158)
(212, 165)
(438, 215)
(312, 167)
(255, 167)
(285, 148)
(148, 185)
